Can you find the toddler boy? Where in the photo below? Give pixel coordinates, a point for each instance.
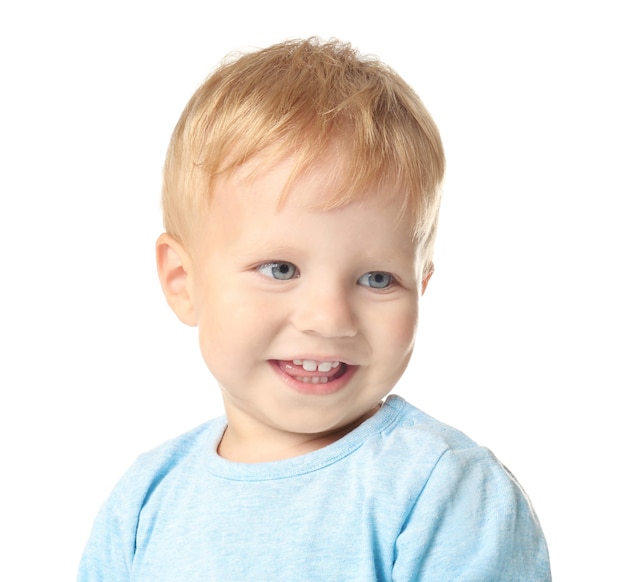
(301, 195)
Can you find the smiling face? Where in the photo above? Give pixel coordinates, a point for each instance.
(306, 316)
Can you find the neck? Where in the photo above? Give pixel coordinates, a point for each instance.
(262, 446)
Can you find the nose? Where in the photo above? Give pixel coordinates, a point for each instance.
(326, 312)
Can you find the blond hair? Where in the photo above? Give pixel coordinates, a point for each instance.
(307, 98)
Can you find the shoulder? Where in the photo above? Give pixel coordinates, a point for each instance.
(417, 436)
(446, 454)
(443, 471)
(154, 466)
(110, 550)
(467, 508)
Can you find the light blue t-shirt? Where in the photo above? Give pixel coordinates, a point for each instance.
(402, 497)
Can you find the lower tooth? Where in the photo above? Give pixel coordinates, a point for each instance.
(312, 379)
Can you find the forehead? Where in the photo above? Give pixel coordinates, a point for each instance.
(272, 204)
(285, 181)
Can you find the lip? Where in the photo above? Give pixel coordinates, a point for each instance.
(330, 387)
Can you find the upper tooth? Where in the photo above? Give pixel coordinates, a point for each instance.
(309, 365)
(312, 365)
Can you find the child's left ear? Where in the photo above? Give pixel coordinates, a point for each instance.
(425, 280)
(174, 267)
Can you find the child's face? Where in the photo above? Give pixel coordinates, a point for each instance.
(306, 317)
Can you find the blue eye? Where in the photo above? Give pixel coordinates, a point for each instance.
(376, 280)
(279, 270)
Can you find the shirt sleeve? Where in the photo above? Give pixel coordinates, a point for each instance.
(471, 522)
(108, 554)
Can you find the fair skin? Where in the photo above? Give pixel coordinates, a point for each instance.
(306, 317)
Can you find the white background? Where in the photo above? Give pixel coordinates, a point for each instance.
(521, 341)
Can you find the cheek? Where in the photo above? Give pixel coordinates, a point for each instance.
(234, 330)
(218, 328)
(403, 325)
(395, 342)
(392, 345)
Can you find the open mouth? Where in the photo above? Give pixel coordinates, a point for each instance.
(313, 371)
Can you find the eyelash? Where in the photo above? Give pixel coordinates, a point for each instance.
(273, 268)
